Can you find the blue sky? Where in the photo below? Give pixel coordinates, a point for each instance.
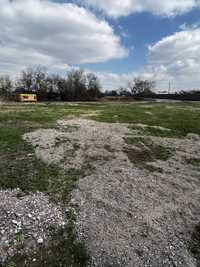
(118, 40)
(142, 30)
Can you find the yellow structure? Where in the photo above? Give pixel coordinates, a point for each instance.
(28, 97)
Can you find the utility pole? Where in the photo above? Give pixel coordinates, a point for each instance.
(169, 89)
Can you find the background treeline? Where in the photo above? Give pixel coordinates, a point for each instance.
(80, 86)
(193, 95)
(144, 89)
(137, 89)
(77, 86)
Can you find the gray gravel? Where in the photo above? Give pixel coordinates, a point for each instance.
(26, 222)
(128, 216)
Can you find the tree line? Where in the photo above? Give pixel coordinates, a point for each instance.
(77, 86)
(140, 89)
(136, 88)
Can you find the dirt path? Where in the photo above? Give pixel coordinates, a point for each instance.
(128, 215)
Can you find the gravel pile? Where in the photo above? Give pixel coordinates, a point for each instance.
(128, 216)
(26, 222)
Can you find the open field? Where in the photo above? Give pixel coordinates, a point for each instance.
(122, 181)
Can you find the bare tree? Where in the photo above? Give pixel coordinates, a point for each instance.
(40, 78)
(93, 86)
(33, 78)
(27, 79)
(78, 85)
(123, 91)
(141, 88)
(5, 87)
(75, 88)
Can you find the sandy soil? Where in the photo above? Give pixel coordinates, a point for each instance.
(127, 215)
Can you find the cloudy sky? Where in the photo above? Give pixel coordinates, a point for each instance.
(116, 39)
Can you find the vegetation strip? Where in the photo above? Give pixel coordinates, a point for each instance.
(21, 169)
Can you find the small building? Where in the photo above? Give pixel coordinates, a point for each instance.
(22, 95)
(28, 97)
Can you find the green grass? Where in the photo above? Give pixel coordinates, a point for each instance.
(16, 161)
(147, 152)
(155, 151)
(20, 168)
(180, 118)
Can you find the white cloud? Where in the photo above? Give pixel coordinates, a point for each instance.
(112, 81)
(57, 35)
(174, 59)
(53, 34)
(117, 8)
(178, 57)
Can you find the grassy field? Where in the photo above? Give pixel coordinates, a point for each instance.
(15, 120)
(19, 168)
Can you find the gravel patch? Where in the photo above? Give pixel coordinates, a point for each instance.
(77, 142)
(128, 216)
(26, 222)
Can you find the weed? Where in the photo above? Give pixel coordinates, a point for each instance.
(19, 236)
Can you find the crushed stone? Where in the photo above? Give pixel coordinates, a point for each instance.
(127, 216)
(26, 222)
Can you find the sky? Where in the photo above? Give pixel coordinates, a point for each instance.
(118, 40)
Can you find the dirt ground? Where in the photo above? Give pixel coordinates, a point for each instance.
(127, 215)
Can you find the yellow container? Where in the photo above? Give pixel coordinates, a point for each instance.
(27, 97)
